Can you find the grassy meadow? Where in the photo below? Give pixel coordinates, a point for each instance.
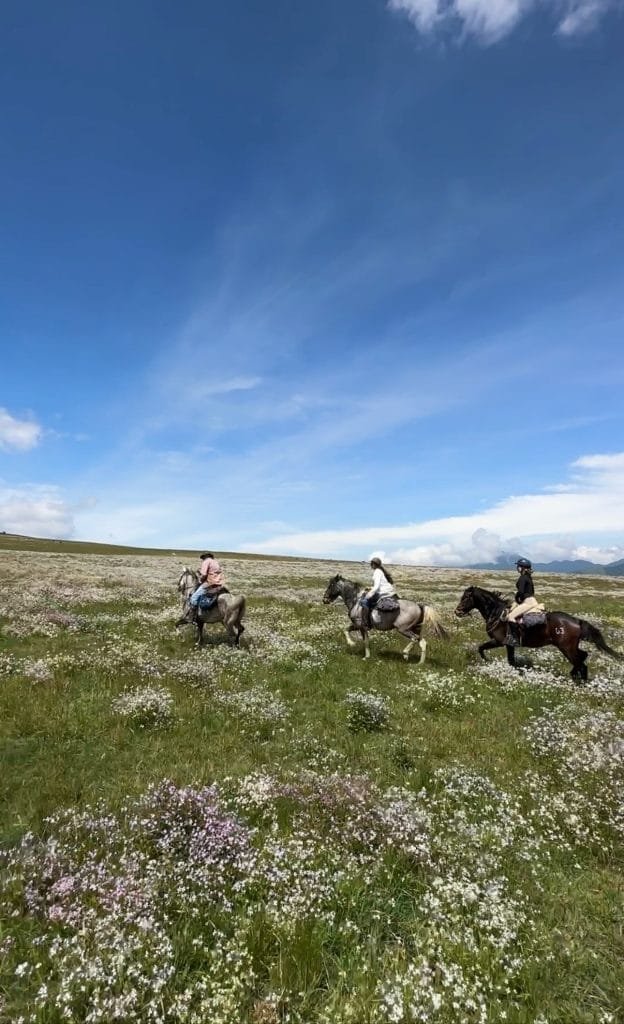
(287, 833)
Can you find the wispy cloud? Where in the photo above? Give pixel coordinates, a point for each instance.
(491, 20)
(18, 435)
(583, 15)
(548, 524)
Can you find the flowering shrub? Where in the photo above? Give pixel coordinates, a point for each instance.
(145, 706)
(37, 669)
(444, 692)
(117, 902)
(256, 705)
(107, 893)
(366, 712)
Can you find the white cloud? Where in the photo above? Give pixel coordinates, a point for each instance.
(583, 15)
(491, 20)
(551, 524)
(18, 435)
(37, 511)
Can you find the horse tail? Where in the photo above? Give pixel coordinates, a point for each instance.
(431, 618)
(593, 634)
(242, 605)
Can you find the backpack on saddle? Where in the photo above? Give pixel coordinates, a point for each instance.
(209, 598)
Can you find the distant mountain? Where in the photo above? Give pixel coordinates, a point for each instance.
(578, 566)
(615, 568)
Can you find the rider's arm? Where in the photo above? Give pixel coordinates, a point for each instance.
(524, 589)
(377, 578)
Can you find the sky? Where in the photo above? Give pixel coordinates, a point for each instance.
(330, 279)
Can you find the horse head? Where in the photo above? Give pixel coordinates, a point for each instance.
(333, 590)
(466, 603)
(188, 581)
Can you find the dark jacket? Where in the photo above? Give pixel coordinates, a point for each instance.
(524, 587)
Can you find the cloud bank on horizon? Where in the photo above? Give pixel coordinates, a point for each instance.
(547, 525)
(489, 21)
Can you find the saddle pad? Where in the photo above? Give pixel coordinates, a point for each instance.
(387, 604)
(534, 619)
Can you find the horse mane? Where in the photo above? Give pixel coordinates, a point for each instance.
(495, 593)
(353, 583)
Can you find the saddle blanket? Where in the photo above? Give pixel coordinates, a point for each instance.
(387, 604)
(534, 619)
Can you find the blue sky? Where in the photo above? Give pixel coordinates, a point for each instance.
(323, 279)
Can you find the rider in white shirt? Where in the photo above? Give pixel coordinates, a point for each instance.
(383, 586)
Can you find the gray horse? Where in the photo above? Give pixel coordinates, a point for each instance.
(409, 620)
(228, 609)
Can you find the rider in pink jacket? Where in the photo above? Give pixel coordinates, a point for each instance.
(211, 578)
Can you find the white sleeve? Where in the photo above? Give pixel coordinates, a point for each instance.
(378, 579)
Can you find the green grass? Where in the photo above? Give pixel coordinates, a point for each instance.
(62, 745)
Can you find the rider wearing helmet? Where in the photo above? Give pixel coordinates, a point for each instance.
(524, 601)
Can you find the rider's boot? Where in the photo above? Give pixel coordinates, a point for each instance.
(513, 637)
(365, 619)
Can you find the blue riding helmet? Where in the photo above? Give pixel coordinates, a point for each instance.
(523, 563)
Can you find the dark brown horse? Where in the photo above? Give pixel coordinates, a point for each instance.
(560, 629)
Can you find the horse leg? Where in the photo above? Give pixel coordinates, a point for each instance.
(408, 649)
(364, 633)
(350, 642)
(232, 630)
(579, 669)
(488, 646)
(200, 633)
(511, 656)
(413, 635)
(567, 642)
